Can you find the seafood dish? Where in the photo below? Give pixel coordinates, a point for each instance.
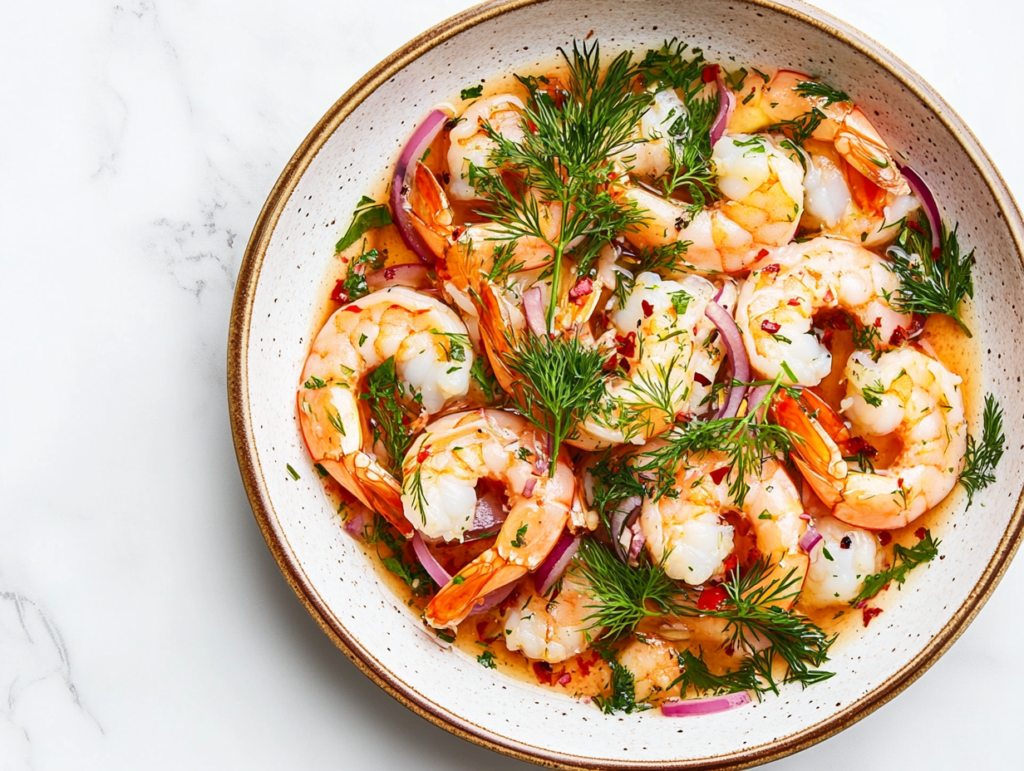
(648, 379)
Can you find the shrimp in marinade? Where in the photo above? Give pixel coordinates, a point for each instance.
(905, 394)
(762, 184)
(553, 629)
(442, 469)
(419, 333)
(789, 286)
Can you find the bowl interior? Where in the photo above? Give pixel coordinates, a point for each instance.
(349, 154)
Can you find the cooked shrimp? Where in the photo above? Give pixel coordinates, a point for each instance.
(553, 630)
(841, 201)
(654, 664)
(906, 394)
(844, 125)
(689, 531)
(442, 469)
(788, 287)
(470, 143)
(763, 188)
(432, 358)
(662, 122)
(840, 562)
(667, 346)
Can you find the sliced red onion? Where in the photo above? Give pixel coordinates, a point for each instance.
(625, 514)
(810, 539)
(707, 706)
(533, 309)
(490, 514)
(726, 105)
(556, 563)
(429, 563)
(494, 598)
(920, 188)
(354, 526)
(410, 274)
(737, 353)
(528, 487)
(417, 145)
(755, 397)
(636, 544)
(541, 463)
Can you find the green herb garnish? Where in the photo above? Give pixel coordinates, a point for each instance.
(980, 460)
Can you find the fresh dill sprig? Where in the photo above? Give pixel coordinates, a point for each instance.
(980, 460)
(800, 128)
(745, 441)
(904, 560)
(562, 378)
(670, 67)
(409, 570)
(623, 695)
(756, 621)
(503, 264)
(667, 257)
(385, 392)
(624, 595)
(866, 338)
(819, 90)
(696, 675)
(933, 279)
(412, 485)
(482, 373)
(565, 157)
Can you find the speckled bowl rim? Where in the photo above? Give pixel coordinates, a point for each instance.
(252, 476)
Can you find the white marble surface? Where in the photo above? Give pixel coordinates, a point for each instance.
(143, 622)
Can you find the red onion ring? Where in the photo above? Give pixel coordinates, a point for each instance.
(410, 274)
(429, 563)
(707, 706)
(489, 514)
(528, 487)
(534, 311)
(494, 598)
(737, 352)
(556, 563)
(354, 526)
(636, 545)
(625, 514)
(755, 397)
(810, 539)
(417, 145)
(726, 105)
(920, 188)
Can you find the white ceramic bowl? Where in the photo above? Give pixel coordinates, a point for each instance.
(274, 317)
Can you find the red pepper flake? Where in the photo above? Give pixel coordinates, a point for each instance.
(626, 346)
(624, 364)
(648, 309)
(338, 294)
(565, 679)
(701, 379)
(583, 288)
(719, 474)
(353, 309)
(753, 554)
(583, 665)
(795, 301)
(899, 483)
(770, 326)
(457, 232)
(826, 338)
(730, 649)
(481, 626)
(711, 598)
(870, 613)
(423, 454)
(898, 337)
(915, 226)
(856, 445)
(389, 273)
(878, 322)
(884, 538)
(683, 417)
(531, 126)
(920, 533)
(773, 268)
(936, 254)
(828, 298)
(543, 672)
(730, 564)
(709, 74)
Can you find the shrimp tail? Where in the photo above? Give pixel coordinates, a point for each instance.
(430, 212)
(816, 453)
(863, 148)
(373, 486)
(487, 573)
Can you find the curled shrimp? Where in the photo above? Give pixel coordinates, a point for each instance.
(668, 355)
(553, 630)
(689, 531)
(763, 188)
(785, 290)
(905, 394)
(844, 125)
(415, 330)
(840, 562)
(841, 201)
(442, 469)
(471, 145)
(651, 155)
